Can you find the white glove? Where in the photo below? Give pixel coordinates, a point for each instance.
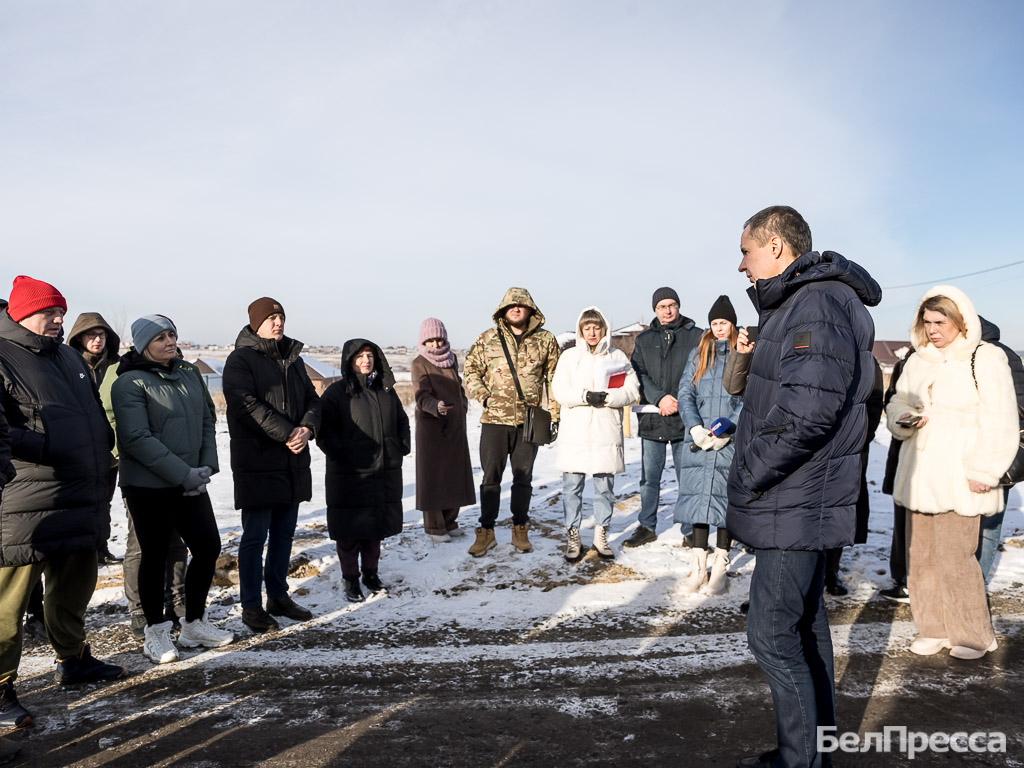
(718, 443)
(701, 437)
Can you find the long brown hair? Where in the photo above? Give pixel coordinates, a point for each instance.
(706, 351)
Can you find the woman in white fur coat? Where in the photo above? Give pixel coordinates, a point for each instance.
(951, 460)
(590, 433)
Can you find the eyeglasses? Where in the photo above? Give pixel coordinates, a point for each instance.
(90, 335)
(666, 307)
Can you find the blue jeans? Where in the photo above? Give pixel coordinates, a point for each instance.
(988, 539)
(572, 498)
(257, 523)
(787, 631)
(651, 466)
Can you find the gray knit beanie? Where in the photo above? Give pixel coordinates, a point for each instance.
(664, 293)
(147, 328)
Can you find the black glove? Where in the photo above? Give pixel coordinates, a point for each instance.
(596, 399)
(554, 431)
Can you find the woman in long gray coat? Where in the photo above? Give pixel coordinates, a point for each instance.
(705, 468)
(444, 471)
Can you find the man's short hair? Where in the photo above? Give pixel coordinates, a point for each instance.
(783, 221)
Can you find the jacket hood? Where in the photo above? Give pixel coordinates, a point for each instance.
(380, 364)
(23, 337)
(606, 341)
(87, 321)
(134, 361)
(989, 330)
(960, 345)
(518, 296)
(249, 339)
(814, 267)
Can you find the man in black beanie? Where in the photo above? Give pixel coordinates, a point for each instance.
(659, 358)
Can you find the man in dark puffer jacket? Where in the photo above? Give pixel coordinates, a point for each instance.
(60, 442)
(795, 477)
(273, 411)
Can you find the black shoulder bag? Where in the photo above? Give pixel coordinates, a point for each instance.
(536, 421)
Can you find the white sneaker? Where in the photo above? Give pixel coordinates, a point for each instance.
(201, 632)
(158, 646)
(964, 652)
(439, 538)
(456, 532)
(929, 646)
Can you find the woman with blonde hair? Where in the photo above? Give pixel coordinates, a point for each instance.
(703, 401)
(956, 412)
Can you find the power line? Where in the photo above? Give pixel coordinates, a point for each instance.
(955, 277)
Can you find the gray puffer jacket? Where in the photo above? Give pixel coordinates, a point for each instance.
(164, 427)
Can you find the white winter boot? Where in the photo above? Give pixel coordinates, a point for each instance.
(601, 542)
(699, 574)
(717, 584)
(573, 550)
(158, 646)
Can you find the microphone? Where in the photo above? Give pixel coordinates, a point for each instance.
(718, 428)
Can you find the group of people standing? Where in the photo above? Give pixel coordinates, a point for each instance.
(767, 436)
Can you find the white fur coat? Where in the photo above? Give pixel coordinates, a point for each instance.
(590, 439)
(972, 431)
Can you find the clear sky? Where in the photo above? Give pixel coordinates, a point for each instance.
(370, 164)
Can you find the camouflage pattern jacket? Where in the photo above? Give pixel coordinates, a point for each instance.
(488, 377)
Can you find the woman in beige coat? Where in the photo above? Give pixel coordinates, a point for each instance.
(956, 412)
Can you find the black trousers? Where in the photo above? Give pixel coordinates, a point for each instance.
(157, 513)
(499, 444)
(898, 550)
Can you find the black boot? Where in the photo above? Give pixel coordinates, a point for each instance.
(83, 668)
(372, 582)
(352, 591)
(834, 585)
(285, 606)
(105, 557)
(765, 760)
(258, 620)
(12, 714)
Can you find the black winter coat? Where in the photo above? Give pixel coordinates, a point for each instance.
(60, 443)
(7, 471)
(659, 359)
(365, 433)
(268, 394)
(795, 476)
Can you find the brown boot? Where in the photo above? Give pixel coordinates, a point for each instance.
(519, 538)
(484, 541)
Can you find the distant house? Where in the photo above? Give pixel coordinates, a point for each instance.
(888, 353)
(320, 373)
(212, 371)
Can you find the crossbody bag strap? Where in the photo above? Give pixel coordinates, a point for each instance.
(511, 365)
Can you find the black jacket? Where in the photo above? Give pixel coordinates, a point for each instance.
(795, 476)
(268, 394)
(365, 434)
(6, 467)
(659, 359)
(60, 442)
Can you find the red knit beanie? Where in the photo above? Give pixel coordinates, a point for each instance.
(29, 296)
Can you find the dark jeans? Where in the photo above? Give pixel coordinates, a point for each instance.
(991, 533)
(652, 464)
(158, 513)
(832, 558)
(174, 573)
(898, 548)
(787, 631)
(350, 551)
(498, 444)
(257, 524)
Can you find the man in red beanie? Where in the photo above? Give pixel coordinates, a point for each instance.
(60, 446)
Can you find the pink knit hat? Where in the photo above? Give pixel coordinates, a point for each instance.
(432, 328)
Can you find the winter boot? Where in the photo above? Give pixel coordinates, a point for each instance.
(601, 543)
(573, 549)
(8, 749)
(484, 541)
(285, 606)
(717, 584)
(83, 668)
(202, 633)
(12, 714)
(372, 581)
(352, 591)
(158, 646)
(258, 620)
(640, 537)
(138, 625)
(699, 574)
(519, 538)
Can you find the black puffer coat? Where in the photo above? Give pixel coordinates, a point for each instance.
(365, 434)
(268, 394)
(6, 467)
(659, 359)
(60, 442)
(795, 476)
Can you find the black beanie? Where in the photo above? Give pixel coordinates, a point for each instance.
(663, 293)
(722, 310)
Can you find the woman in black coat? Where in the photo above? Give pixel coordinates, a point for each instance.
(364, 432)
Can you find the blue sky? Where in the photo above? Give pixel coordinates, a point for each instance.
(373, 164)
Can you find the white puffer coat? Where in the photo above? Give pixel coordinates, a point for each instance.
(590, 439)
(972, 431)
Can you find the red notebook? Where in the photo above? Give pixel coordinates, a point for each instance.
(616, 380)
